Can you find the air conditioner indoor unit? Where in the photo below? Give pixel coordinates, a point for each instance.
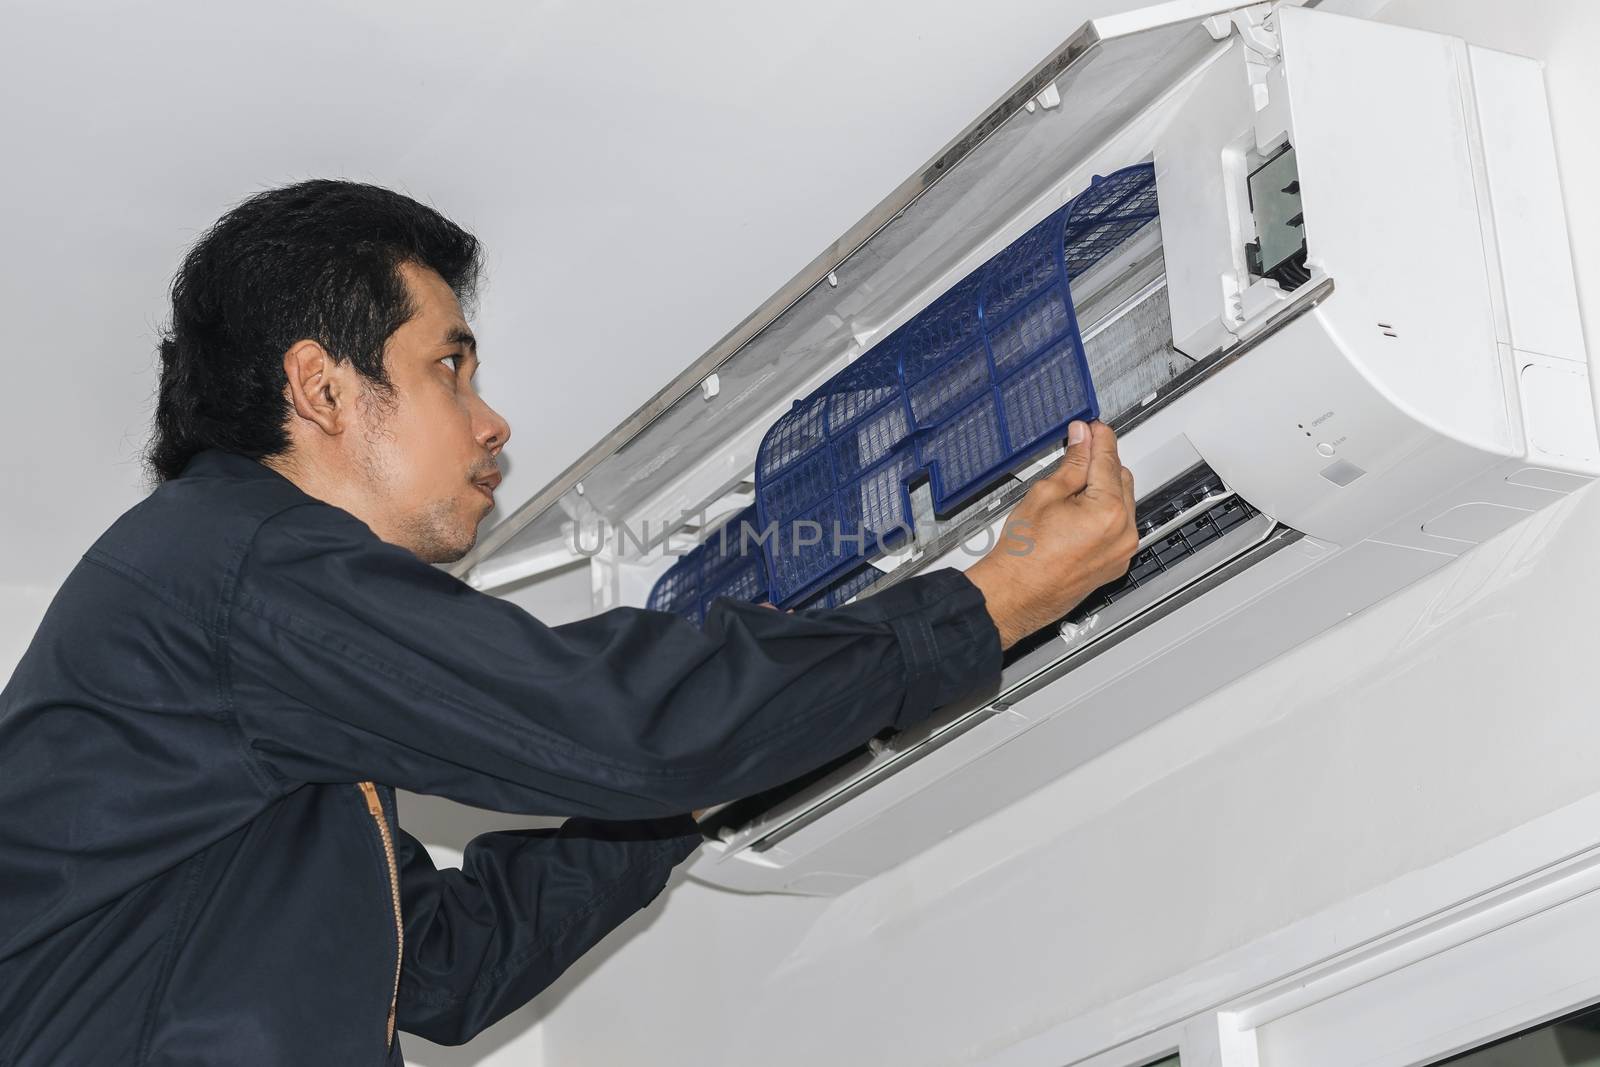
(1316, 270)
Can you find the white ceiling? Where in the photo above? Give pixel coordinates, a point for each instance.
(643, 176)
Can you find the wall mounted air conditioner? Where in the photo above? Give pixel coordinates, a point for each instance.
(1348, 351)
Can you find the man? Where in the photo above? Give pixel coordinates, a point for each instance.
(199, 857)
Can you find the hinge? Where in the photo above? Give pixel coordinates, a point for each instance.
(1254, 25)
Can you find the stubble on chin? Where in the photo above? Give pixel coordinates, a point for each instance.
(434, 533)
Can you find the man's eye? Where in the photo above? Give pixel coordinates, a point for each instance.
(454, 362)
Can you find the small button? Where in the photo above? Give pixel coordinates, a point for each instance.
(1325, 449)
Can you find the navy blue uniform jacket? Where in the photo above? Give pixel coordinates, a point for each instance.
(199, 856)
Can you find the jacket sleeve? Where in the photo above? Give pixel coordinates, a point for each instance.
(350, 658)
(483, 940)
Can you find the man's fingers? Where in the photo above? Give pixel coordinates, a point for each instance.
(1105, 466)
(1128, 498)
(1073, 472)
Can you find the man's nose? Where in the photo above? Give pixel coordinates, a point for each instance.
(493, 430)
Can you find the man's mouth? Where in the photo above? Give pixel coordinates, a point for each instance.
(487, 485)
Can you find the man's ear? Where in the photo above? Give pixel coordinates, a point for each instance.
(316, 389)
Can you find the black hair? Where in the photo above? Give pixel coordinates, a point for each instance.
(319, 259)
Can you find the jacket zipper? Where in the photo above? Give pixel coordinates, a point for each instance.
(375, 807)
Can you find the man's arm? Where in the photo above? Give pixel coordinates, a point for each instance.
(350, 658)
(483, 940)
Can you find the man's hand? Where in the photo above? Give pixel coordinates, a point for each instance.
(1073, 532)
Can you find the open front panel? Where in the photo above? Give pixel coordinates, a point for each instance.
(1020, 160)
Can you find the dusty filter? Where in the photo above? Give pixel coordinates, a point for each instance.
(726, 563)
(987, 375)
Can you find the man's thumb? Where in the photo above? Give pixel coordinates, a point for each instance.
(1073, 473)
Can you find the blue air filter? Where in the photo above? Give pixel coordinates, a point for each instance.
(991, 371)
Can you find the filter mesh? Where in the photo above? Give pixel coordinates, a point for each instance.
(1133, 356)
(988, 374)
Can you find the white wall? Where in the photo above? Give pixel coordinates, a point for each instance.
(1452, 714)
(21, 608)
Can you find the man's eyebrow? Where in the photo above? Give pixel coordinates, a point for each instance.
(460, 335)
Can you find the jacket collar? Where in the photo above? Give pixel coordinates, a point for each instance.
(218, 463)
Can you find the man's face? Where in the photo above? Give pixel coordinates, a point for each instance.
(429, 450)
